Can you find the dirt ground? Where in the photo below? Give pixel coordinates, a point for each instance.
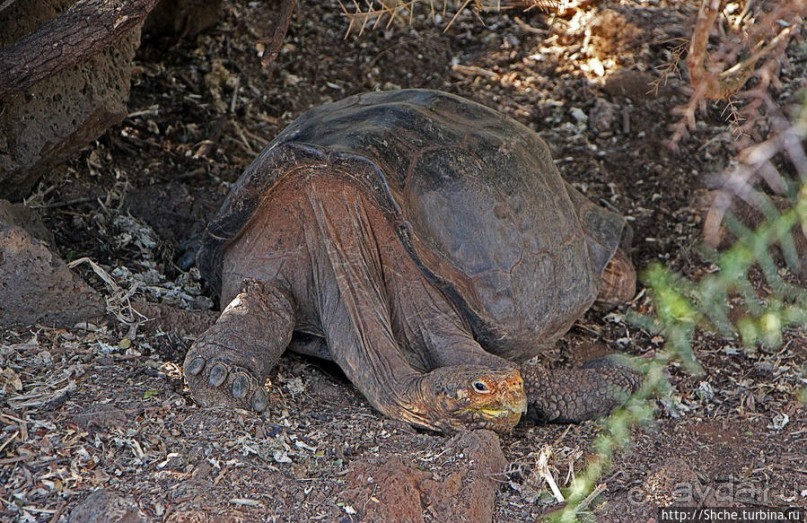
(104, 406)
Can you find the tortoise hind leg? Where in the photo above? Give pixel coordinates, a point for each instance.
(575, 395)
(229, 363)
(618, 281)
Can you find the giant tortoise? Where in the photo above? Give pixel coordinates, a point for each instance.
(428, 246)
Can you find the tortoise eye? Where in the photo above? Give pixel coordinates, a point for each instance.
(481, 387)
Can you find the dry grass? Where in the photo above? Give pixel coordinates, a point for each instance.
(372, 14)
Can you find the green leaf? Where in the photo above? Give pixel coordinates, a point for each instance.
(151, 393)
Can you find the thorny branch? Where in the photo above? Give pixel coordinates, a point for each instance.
(750, 45)
(744, 50)
(721, 83)
(755, 162)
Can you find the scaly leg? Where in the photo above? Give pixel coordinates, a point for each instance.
(574, 395)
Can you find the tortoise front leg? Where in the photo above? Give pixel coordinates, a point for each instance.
(229, 363)
(575, 395)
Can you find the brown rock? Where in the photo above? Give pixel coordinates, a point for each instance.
(37, 287)
(46, 124)
(635, 85)
(105, 506)
(463, 489)
(469, 495)
(22, 216)
(392, 489)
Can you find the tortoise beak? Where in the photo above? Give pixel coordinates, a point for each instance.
(520, 405)
(514, 403)
(516, 398)
(510, 405)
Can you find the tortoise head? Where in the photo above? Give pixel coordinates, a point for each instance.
(472, 397)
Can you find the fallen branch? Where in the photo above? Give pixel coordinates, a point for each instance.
(82, 31)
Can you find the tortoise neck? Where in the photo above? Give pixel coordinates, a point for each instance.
(343, 238)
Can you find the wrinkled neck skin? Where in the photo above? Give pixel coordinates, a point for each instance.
(428, 401)
(351, 304)
(413, 400)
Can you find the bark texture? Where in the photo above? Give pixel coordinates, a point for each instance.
(81, 31)
(64, 79)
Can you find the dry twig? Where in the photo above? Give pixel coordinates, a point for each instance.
(118, 302)
(281, 27)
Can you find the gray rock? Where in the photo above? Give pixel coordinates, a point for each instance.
(602, 115)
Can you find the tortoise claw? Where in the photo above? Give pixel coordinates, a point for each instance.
(217, 375)
(224, 383)
(240, 386)
(195, 366)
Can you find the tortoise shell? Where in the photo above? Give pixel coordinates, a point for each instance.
(474, 195)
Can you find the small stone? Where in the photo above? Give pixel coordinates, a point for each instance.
(602, 115)
(106, 506)
(578, 114)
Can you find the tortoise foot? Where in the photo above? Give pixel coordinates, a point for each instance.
(217, 381)
(228, 364)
